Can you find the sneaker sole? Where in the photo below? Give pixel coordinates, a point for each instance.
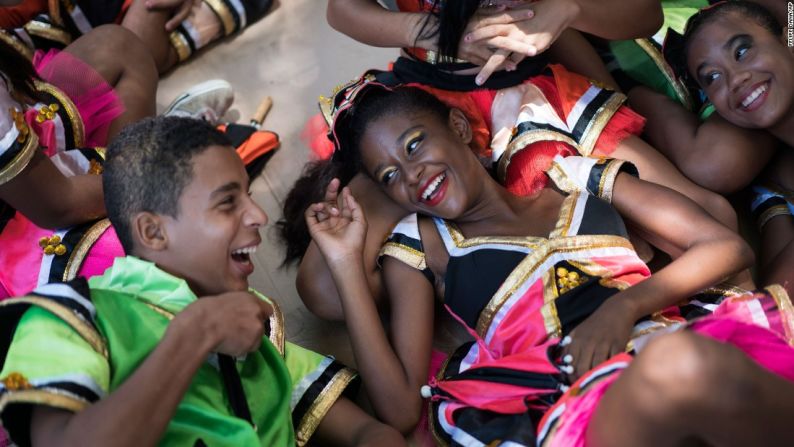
(200, 89)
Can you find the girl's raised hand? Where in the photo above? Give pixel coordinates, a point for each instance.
(337, 225)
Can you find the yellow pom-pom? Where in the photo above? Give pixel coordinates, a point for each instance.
(55, 239)
(44, 241)
(48, 250)
(60, 249)
(562, 271)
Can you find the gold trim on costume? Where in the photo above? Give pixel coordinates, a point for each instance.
(785, 308)
(327, 397)
(54, 9)
(566, 215)
(47, 31)
(524, 140)
(772, 212)
(159, 310)
(78, 129)
(551, 320)
(408, 255)
(607, 181)
(222, 11)
(40, 397)
(534, 260)
(598, 122)
(560, 178)
(82, 247)
(180, 45)
(21, 160)
(20, 47)
(658, 59)
(462, 241)
(277, 327)
(85, 330)
(597, 270)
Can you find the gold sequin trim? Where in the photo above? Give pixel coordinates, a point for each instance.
(410, 256)
(328, 396)
(42, 397)
(21, 160)
(78, 129)
(277, 327)
(83, 328)
(785, 308)
(566, 215)
(222, 11)
(607, 183)
(599, 122)
(20, 47)
(48, 32)
(80, 250)
(180, 45)
(657, 58)
(770, 213)
(551, 319)
(462, 241)
(560, 178)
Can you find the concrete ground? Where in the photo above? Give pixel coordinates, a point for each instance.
(294, 56)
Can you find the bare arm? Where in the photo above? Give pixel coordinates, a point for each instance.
(576, 54)
(713, 153)
(615, 19)
(52, 200)
(369, 23)
(138, 412)
(393, 368)
(711, 253)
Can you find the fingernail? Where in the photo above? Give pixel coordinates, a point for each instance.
(479, 80)
(531, 51)
(566, 340)
(530, 13)
(568, 358)
(567, 369)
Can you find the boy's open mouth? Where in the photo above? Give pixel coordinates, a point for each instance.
(243, 255)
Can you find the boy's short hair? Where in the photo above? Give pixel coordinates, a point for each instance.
(149, 164)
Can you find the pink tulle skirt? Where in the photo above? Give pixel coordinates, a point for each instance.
(21, 258)
(734, 322)
(96, 101)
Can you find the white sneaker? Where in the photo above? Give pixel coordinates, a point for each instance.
(207, 101)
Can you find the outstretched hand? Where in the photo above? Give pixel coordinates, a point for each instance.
(602, 335)
(337, 225)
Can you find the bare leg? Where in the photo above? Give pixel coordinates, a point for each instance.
(120, 57)
(685, 387)
(149, 26)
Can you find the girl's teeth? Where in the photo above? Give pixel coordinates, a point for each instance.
(753, 96)
(431, 188)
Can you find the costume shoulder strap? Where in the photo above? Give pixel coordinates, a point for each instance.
(405, 244)
(595, 176)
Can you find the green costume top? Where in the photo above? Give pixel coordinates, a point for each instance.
(68, 345)
(643, 60)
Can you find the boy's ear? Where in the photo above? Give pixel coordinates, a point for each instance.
(148, 231)
(461, 126)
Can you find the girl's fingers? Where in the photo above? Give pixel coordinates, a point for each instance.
(492, 65)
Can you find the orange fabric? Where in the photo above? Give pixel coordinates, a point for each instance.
(16, 16)
(481, 135)
(570, 87)
(258, 144)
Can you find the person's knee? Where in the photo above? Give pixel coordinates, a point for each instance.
(122, 45)
(673, 373)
